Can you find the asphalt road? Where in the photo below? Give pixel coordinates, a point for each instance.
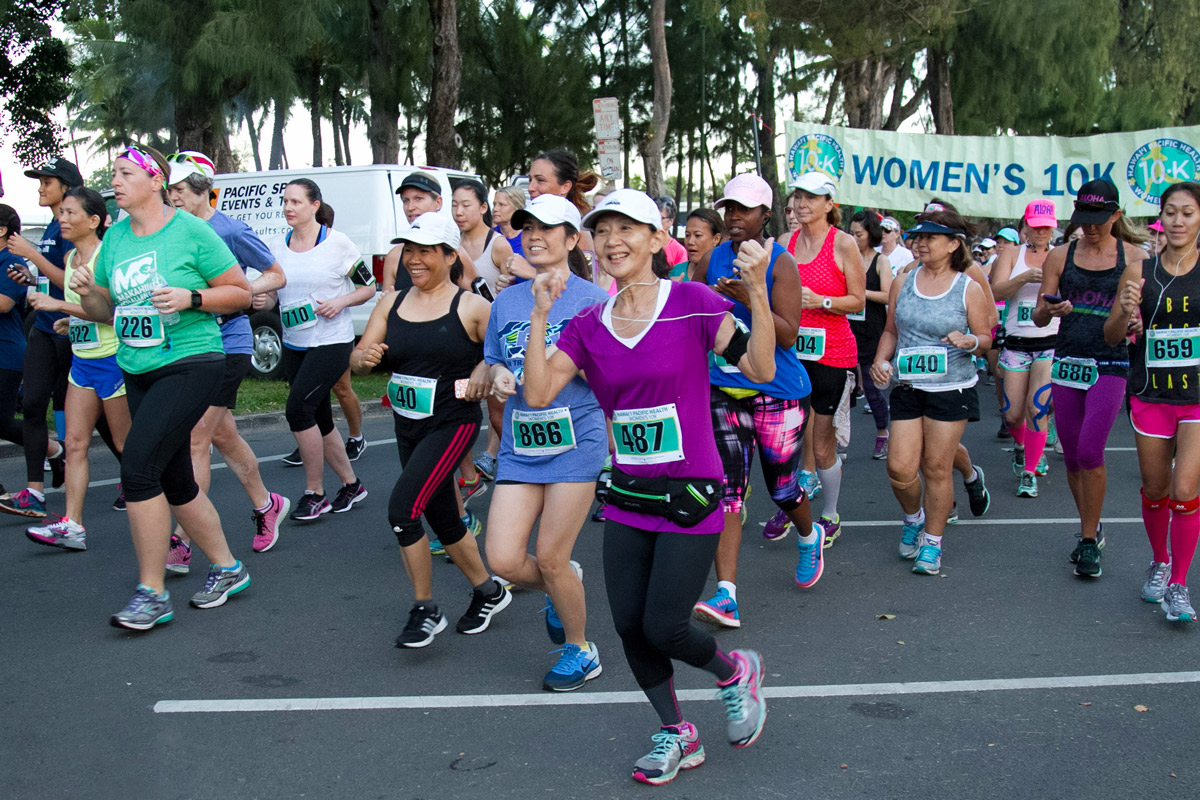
(1032, 683)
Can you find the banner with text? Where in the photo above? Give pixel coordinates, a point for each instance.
(992, 176)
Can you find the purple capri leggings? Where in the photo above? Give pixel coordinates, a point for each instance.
(1085, 418)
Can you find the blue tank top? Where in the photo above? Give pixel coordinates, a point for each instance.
(791, 380)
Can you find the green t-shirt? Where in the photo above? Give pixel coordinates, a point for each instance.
(188, 254)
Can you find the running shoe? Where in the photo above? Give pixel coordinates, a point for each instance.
(1155, 587)
(220, 585)
(424, 622)
(474, 526)
(1003, 432)
(866, 407)
(1043, 467)
(910, 538)
(1018, 461)
(676, 747)
(144, 610)
(598, 515)
(881, 448)
(1074, 557)
(58, 467)
(554, 626)
(978, 495)
(435, 547)
(119, 503)
(485, 465)
(1058, 447)
(179, 557)
(746, 505)
(575, 667)
(810, 483)
(831, 529)
(929, 560)
(266, 523)
(293, 459)
(777, 527)
(720, 609)
(355, 447)
(812, 558)
(24, 504)
(953, 517)
(470, 489)
(1087, 560)
(1177, 604)
(1051, 433)
(1027, 487)
(347, 496)
(745, 709)
(311, 506)
(65, 534)
(483, 607)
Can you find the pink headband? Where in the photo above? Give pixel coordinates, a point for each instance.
(143, 160)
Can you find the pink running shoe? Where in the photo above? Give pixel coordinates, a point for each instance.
(778, 526)
(179, 557)
(266, 523)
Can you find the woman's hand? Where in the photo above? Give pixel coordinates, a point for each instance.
(1131, 296)
(881, 373)
(1060, 309)
(21, 247)
(963, 341)
(547, 287)
(370, 356)
(734, 289)
(82, 281)
(504, 383)
(479, 385)
(809, 298)
(62, 326)
(20, 273)
(1032, 275)
(519, 267)
(43, 302)
(331, 308)
(167, 299)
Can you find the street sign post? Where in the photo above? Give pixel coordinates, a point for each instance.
(610, 159)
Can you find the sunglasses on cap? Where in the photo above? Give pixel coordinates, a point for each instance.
(142, 159)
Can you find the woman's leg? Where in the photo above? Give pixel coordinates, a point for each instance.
(10, 386)
(1015, 384)
(879, 406)
(1185, 485)
(565, 511)
(937, 466)
(348, 400)
(83, 408)
(514, 511)
(41, 378)
(1037, 412)
(905, 455)
(733, 427)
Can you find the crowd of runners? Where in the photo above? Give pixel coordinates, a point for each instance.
(614, 364)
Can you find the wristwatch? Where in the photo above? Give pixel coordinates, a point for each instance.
(827, 303)
(197, 300)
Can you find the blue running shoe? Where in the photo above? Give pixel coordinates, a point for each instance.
(575, 667)
(554, 626)
(812, 558)
(910, 537)
(24, 504)
(811, 484)
(929, 560)
(720, 609)
(435, 547)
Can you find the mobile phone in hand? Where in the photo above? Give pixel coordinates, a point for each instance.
(1052, 298)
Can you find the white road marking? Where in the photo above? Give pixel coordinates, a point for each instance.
(891, 523)
(617, 698)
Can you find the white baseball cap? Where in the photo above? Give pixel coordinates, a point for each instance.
(549, 209)
(189, 162)
(634, 204)
(815, 182)
(432, 227)
(988, 243)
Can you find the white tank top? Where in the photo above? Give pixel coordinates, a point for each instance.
(1019, 321)
(485, 267)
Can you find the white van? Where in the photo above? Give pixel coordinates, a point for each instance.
(366, 208)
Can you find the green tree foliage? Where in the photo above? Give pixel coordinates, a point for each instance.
(33, 71)
(1154, 66)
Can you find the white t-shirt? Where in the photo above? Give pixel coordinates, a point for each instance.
(321, 273)
(899, 258)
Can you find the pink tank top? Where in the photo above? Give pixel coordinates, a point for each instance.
(821, 275)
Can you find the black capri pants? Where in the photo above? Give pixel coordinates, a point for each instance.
(429, 454)
(47, 364)
(312, 374)
(165, 404)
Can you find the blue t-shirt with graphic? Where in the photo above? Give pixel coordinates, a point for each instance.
(12, 324)
(54, 249)
(539, 432)
(250, 252)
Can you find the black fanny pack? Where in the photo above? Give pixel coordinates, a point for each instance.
(684, 501)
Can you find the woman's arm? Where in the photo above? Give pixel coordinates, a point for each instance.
(545, 377)
(884, 267)
(1052, 271)
(370, 348)
(1004, 286)
(881, 366)
(1129, 299)
(979, 340)
(758, 361)
(96, 302)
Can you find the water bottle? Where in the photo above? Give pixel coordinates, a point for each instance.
(158, 282)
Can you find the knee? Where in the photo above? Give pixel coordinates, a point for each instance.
(408, 532)
(664, 635)
(224, 433)
(901, 478)
(936, 466)
(1185, 506)
(77, 443)
(506, 560)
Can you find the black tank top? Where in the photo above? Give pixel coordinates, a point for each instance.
(438, 348)
(1092, 294)
(1169, 303)
(868, 331)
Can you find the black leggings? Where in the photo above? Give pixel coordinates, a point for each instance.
(10, 387)
(653, 580)
(312, 374)
(47, 364)
(429, 458)
(165, 404)
(875, 398)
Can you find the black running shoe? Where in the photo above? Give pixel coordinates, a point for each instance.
(58, 467)
(1087, 559)
(119, 503)
(980, 497)
(1003, 432)
(310, 506)
(424, 622)
(1074, 557)
(355, 447)
(348, 495)
(293, 459)
(482, 609)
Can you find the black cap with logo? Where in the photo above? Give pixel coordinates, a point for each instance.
(1095, 203)
(59, 168)
(419, 180)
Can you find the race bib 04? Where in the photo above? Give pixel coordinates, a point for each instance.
(648, 435)
(544, 432)
(138, 326)
(411, 396)
(810, 344)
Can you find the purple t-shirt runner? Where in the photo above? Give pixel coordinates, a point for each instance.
(655, 389)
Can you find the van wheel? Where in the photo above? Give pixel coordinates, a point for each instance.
(267, 358)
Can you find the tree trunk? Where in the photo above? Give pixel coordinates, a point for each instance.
(314, 104)
(691, 149)
(679, 174)
(281, 105)
(937, 84)
(441, 140)
(382, 131)
(625, 118)
(335, 113)
(660, 119)
(199, 128)
(831, 101)
(764, 71)
(344, 125)
(410, 140)
(253, 129)
(866, 84)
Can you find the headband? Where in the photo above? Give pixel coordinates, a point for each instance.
(143, 160)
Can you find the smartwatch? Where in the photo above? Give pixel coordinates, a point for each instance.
(197, 300)
(827, 303)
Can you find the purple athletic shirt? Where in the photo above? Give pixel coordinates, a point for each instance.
(667, 366)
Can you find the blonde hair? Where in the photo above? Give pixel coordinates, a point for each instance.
(515, 196)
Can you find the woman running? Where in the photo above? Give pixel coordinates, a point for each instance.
(325, 277)
(549, 457)
(507, 201)
(747, 413)
(660, 536)
(675, 252)
(1028, 350)
(96, 384)
(938, 318)
(1164, 390)
(705, 230)
(867, 325)
(834, 285)
(12, 334)
(430, 338)
(159, 279)
(1080, 285)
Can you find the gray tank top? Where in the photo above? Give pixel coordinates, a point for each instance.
(922, 359)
